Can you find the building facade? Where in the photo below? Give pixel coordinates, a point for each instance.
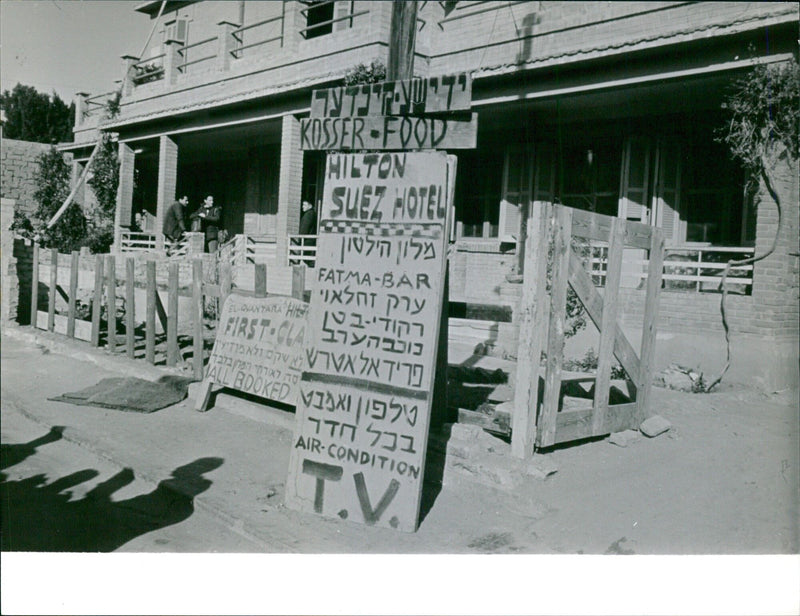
(614, 107)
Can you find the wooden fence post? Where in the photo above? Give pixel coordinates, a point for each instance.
(97, 301)
(605, 353)
(35, 287)
(51, 298)
(299, 281)
(73, 293)
(644, 380)
(197, 301)
(111, 303)
(260, 282)
(562, 232)
(150, 315)
(225, 281)
(172, 315)
(531, 332)
(130, 307)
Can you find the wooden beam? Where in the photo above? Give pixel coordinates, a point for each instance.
(644, 378)
(531, 333)
(97, 301)
(578, 423)
(605, 354)
(197, 314)
(150, 316)
(51, 298)
(584, 288)
(402, 37)
(73, 293)
(130, 307)
(111, 303)
(35, 287)
(562, 233)
(172, 315)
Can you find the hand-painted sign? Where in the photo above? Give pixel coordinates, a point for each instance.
(364, 405)
(259, 347)
(388, 133)
(416, 96)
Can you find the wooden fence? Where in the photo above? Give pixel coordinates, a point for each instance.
(539, 420)
(104, 293)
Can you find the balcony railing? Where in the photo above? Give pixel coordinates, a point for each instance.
(258, 34)
(201, 47)
(139, 241)
(687, 268)
(302, 249)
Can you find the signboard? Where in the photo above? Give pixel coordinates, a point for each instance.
(408, 97)
(389, 133)
(364, 405)
(259, 347)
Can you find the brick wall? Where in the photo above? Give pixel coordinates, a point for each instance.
(18, 161)
(289, 183)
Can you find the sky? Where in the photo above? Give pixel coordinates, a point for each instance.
(68, 46)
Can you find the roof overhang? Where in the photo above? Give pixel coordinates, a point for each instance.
(152, 8)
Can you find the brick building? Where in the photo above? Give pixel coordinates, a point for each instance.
(608, 106)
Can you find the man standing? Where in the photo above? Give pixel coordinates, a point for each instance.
(209, 215)
(308, 219)
(173, 226)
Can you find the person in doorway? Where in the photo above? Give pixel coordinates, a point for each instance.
(174, 226)
(308, 219)
(209, 216)
(308, 226)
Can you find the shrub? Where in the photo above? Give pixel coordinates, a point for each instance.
(362, 73)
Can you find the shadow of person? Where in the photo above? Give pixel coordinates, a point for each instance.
(40, 517)
(14, 454)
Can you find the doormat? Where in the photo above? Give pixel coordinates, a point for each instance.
(130, 394)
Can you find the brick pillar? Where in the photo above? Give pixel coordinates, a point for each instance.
(775, 279)
(124, 210)
(80, 107)
(167, 179)
(128, 74)
(171, 61)
(226, 42)
(289, 183)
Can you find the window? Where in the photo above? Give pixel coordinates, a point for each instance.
(177, 30)
(591, 176)
(478, 191)
(319, 17)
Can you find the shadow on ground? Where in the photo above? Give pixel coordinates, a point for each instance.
(42, 517)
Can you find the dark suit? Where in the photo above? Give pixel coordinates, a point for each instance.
(173, 225)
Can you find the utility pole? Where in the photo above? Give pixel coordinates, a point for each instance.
(401, 40)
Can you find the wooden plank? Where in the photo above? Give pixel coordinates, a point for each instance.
(498, 424)
(584, 288)
(161, 312)
(97, 301)
(130, 307)
(605, 354)
(111, 303)
(531, 331)
(562, 233)
(150, 316)
(172, 315)
(225, 281)
(51, 297)
(389, 133)
(204, 396)
(578, 423)
(395, 98)
(35, 287)
(299, 281)
(644, 379)
(73, 292)
(593, 226)
(197, 317)
(260, 280)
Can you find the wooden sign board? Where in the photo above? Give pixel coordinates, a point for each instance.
(416, 96)
(259, 347)
(389, 133)
(374, 318)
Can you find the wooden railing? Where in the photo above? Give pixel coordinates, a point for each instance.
(302, 249)
(688, 268)
(139, 241)
(111, 312)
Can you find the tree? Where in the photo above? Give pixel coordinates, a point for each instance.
(34, 116)
(103, 181)
(52, 182)
(763, 128)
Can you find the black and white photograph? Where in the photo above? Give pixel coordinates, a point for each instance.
(400, 307)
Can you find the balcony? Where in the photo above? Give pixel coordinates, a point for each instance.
(288, 45)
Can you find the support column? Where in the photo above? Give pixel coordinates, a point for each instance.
(227, 44)
(81, 107)
(171, 61)
(290, 184)
(128, 74)
(167, 180)
(124, 210)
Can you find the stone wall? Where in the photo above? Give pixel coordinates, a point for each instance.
(8, 270)
(18, 162)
